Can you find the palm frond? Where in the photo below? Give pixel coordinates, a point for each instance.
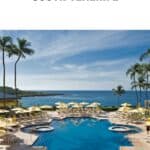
(145, 55)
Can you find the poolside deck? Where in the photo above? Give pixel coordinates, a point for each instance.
(139, 140)
(133, 148)
(28, 138)
(128, 148)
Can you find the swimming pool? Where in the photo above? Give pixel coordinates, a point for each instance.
(82, 134)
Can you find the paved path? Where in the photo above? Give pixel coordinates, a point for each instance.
(28, 138)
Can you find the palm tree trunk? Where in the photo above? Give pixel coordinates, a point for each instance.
(140, 95)
(136, 93)
(118, 101)
(147, 86)
(15, 76)
(4, 74)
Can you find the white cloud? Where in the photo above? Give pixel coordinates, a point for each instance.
(46, 82)
(73, 43)
(102, 74)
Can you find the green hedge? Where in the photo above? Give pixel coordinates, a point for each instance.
(109, 108)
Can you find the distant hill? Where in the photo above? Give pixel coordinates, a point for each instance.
(23, 93)
(9, 90)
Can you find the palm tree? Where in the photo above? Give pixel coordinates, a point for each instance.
(133, 71)
(141, 85)
(145, 55)
(146, 71)
(5, 44)
(21, 49)
(118, 91)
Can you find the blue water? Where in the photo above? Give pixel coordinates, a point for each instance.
(82, 134)
(106, 98)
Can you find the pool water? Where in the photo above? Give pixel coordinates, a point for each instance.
(82, 134)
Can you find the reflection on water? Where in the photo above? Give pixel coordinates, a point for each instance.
(82, 134)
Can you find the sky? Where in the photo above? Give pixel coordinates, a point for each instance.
(76, 60)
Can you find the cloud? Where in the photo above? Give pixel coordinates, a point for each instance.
(73, 77)
(58, 45)
(47, 70)
(70, 81)
(73, 43)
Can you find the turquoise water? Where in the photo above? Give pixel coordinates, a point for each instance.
(106, 98)
(82, 134)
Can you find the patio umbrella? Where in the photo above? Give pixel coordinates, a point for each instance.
(17, 109)
(46, 107)
(62, 106)
(34, 109)
(72, 103)
(3, 111)
(77, 106)
(126, 105)
(22, 111)
(84, 103)
(94, 105)
(142, 110)
(133, 111)
(124, 109)
(59, 103)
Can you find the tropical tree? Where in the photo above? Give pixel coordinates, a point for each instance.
(119, 91)
(145, 55)
(146, 74)
(5, 44)
(134, 71)
(140, 83)
(20, 50)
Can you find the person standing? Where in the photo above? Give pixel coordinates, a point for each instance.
(148, 126)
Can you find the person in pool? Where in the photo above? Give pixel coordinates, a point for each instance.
(148, 125)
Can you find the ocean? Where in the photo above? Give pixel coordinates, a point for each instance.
(106, 98)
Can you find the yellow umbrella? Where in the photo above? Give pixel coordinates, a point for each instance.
(77, 106)
(84, 103)
(147, 122)
(126, 105)
(141, 110)
(138, 110)
(96, 103)
(62, 106)
(59, 103)
(93, 105)
(46, 107)
(34, 109)
(133, 111)
(71, 103)
(22, 111)
(17, 109)
(124, 109)
(3, 111)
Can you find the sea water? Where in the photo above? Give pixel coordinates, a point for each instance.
(106, 98)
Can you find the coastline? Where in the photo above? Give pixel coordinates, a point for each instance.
(36, 95)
